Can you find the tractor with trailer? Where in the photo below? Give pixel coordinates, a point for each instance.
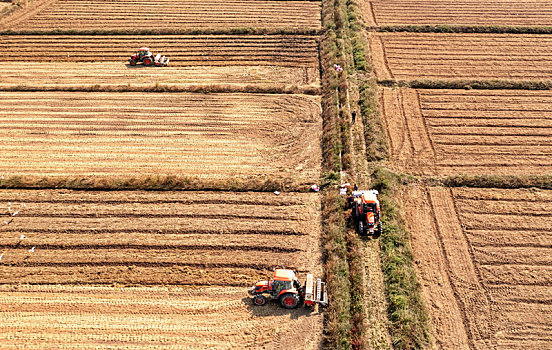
(145, 57)
(366, 214)
(286, 288)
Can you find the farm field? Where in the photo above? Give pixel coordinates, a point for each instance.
(465, 12)
(483, 259)
(453, 132)
(209, 136)
(166, 14)
(276, 60)
(139, 317)
(150, 238)
(444, 56)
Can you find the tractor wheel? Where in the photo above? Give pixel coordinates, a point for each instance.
(147, 61)
(259, 300)
(289, 300)
(132, 62)
(377, 232)
(361, 228)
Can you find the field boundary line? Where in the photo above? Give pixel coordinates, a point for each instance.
(248, 89)
(379, 59)
(476, 29)
(315, 33)
(20, 14)
(482, 84)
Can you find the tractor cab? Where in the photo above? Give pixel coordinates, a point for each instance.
(143, 51)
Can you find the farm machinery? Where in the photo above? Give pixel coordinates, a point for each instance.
(145, 57)
(365, 209)
(286, 288)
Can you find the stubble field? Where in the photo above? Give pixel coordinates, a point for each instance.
(483, 258)
(68, 60)
(166, 14)
(460, 56)
(197, 135)
(465, 12)
(452, 132)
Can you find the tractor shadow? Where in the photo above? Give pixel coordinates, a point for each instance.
(138, 66)
(273, 308)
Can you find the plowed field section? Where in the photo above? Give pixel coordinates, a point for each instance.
(488, 13)
(168, 14)
(491, 249)
(199, 238)
(195, 60)
(438, 56)
(86, 317)
(198, 135)
(475, 132)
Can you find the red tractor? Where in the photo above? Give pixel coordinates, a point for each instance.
(366, 212)
(286, 288)
(145, 57)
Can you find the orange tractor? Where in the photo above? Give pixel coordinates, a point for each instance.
(366, 212)
(286, 288)
(145, 57)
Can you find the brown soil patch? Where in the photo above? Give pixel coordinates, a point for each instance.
(209, 136)
(484, 289)
(450, 132)
(440, 56)
(168, 14)
(466, 12)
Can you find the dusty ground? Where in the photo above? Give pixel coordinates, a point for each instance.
(199, 135)
(464, 12)
(167, 14)
(449, 132)
(483, 258)
(441, 56)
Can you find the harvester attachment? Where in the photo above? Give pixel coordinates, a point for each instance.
(315, 291)
(161, 60)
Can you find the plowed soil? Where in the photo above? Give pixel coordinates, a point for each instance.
(195, 238)
(483, 258)
(212, 136)
(450, 132)
(167, 14)
(101, 317)
(443, 56)
(276, 60)
(464, 12)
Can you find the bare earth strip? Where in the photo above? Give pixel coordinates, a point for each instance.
(504, 297)
(444, 56)
(168, 14)
(464, 12)
(264, 61)
(156, 237)
(102, 317)
(448, 132)
(199, 135)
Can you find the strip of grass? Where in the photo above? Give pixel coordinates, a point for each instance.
(166, 31)
(218, 88)
(407, 314)
(495, 181)
(483, 29)
(495, 84)
(154, 183)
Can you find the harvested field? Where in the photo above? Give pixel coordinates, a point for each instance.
(483, 258)
(167, 14)
(101, 317)
(440, 56)
(466, 12)
(478, 132)
(195, 60)
(206, 136)
(192, 238)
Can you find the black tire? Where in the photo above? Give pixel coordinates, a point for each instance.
(148, 61)
(132, 62)
(378, 231)
(289, 300)
(259, 300)
(362, 229)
